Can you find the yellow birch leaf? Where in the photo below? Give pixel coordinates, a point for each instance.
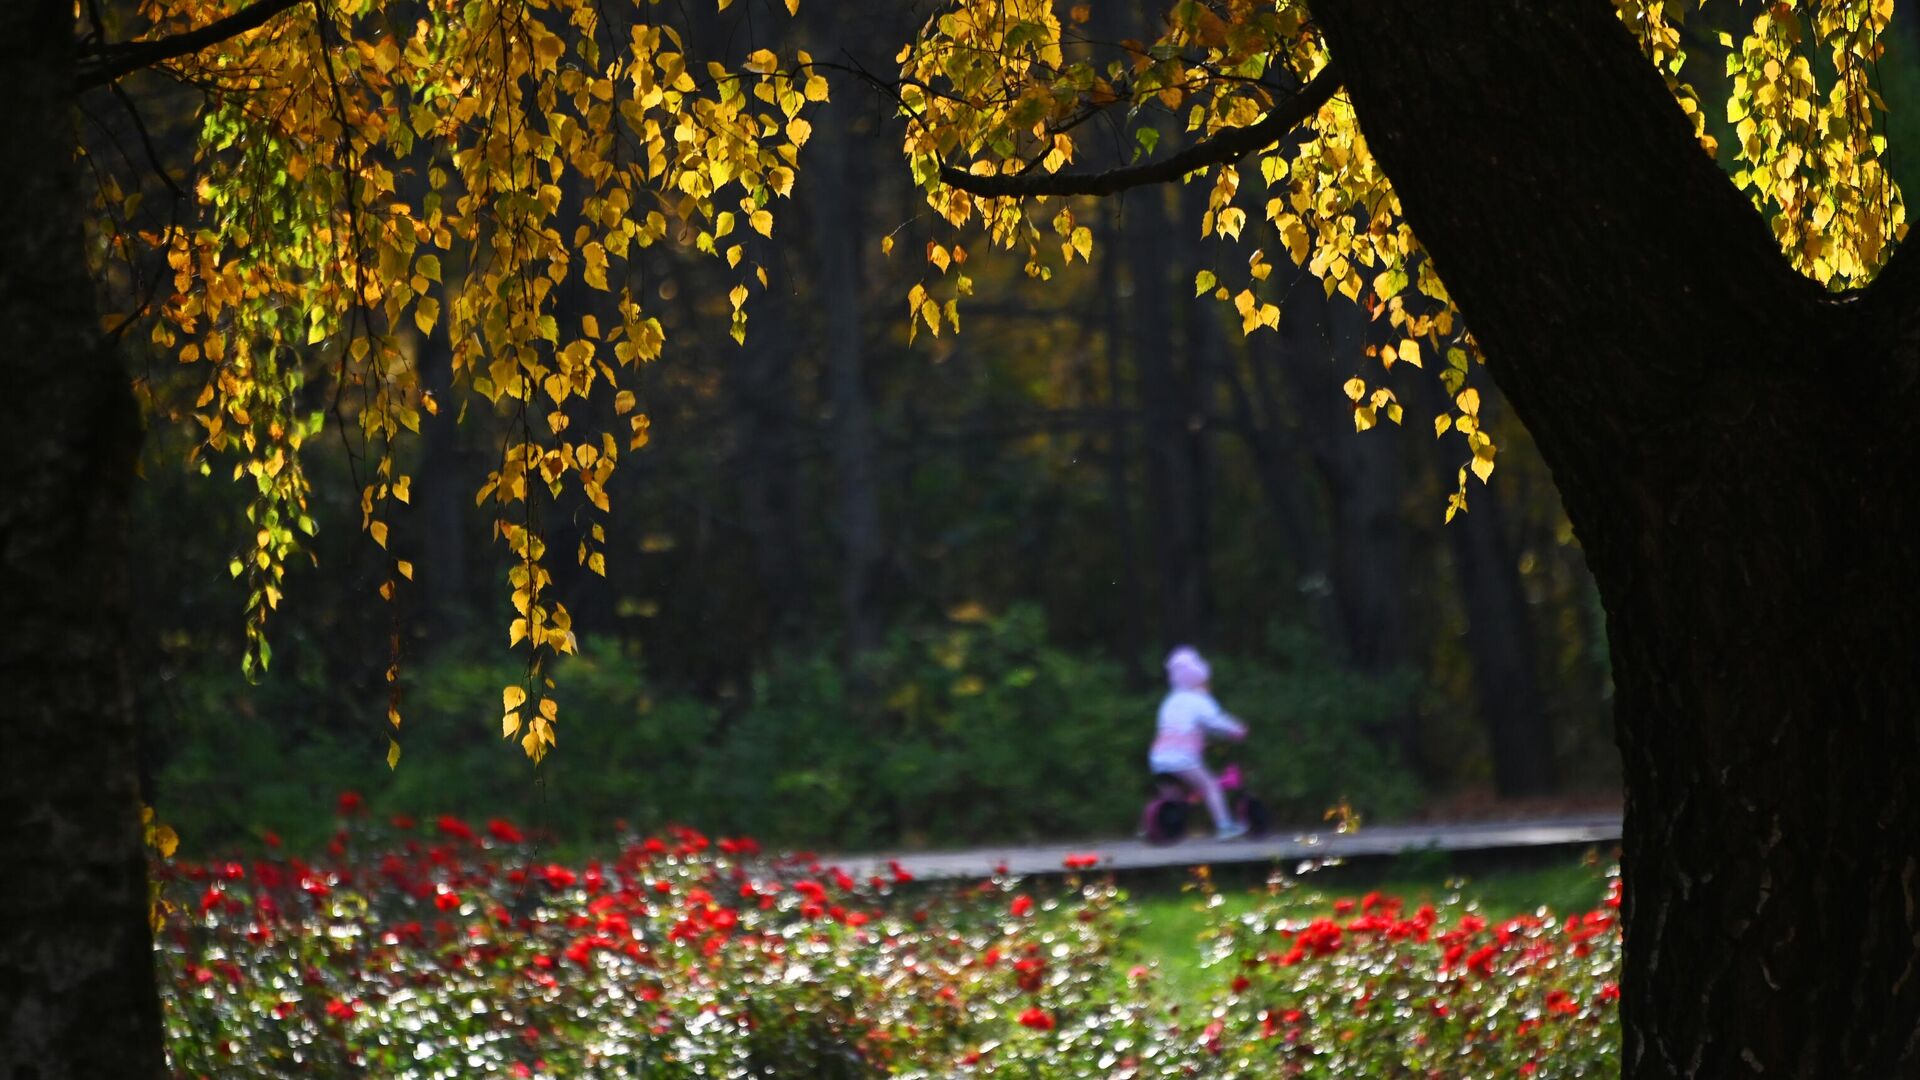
(393, 754)
(1355, 389)
(378, 530)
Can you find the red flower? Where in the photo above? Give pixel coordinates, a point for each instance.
(272, 838)
(504, 831)
(1083, 861)
(454, 827)
(1482, 961)
(1037, 1018)
(1022, 905)
(350, 803)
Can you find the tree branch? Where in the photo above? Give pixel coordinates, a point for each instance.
(111, 62)
(1227, 146)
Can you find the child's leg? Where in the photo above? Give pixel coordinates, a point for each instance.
(1199, 779)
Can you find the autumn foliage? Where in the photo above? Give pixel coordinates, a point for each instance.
(368, 176)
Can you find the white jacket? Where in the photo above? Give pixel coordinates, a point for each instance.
(1186, 716)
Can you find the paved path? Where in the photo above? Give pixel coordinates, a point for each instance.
(1283, 846)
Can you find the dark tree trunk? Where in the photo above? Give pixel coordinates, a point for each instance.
(1735, 450)
(77, 992)
(1204, 348)
(1500, 636)
(1281, 465)
(1129, 639)
(442, 534)
(834, 205)
(1364, 483)
(765, 462)
(1322, 345)
(1500, 642)
(1175, 508)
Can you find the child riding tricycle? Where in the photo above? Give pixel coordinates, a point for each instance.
(1187, 716)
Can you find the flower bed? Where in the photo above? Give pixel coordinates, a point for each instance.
(456, 951)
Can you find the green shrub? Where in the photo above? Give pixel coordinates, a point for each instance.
(964, 732)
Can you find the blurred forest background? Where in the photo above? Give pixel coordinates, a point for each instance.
(865, 591)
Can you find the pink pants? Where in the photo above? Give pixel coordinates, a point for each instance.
(1200, 780)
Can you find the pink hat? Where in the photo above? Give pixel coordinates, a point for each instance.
(1185, 669)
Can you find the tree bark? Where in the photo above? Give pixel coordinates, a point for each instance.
(443, 536)
(77, 990)
(1500, 643)
(1500, 637)
(765, 461)
(1175, 508)
(1322, 343)
(1363, 473)
(1128, 639)
(1735, 451)
(834, 202)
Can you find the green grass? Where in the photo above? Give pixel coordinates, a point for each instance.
(1174, 924)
